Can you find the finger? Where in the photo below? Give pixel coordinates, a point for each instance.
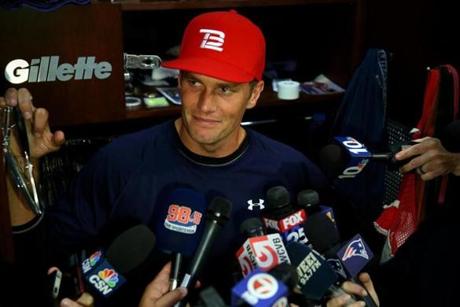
(340, 300)
(171, 298)
(353, 288)
(25, 103)
(11, 97)
(417, 149)
(357, 304)
(58, 138)
(86, 299)
(40, 121)
(160, 284)
(366, 281)
(164, 274)
(69, 303)
(415, 162)
(52, 269)
(431, 174)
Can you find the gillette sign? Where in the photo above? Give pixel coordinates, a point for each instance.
(48, 69)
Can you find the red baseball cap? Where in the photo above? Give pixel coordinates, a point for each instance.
(222, 45)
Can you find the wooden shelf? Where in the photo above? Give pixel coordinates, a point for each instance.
(137, 5)
(268, 100)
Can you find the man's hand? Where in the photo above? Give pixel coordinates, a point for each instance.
(430, 160)
(85, 300)
(157, 292)
(41, 140)
(354, 289)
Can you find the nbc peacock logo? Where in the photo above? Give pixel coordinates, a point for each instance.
(91, 262)
(94, 258)
(109, 276)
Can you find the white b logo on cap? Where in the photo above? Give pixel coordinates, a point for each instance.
(212, 39)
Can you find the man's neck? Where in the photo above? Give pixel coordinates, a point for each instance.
(217, 150)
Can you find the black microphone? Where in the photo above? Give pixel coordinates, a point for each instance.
(309, 200)
(322, 233)
(179, 225)
(316, 278)
(218, 214)
(105, 272)
(252, 227)
(281, 216)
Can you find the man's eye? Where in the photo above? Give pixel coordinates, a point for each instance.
(225, 90)
(193, 82)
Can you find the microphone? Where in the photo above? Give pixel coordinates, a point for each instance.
(316, 278)
(347, 157)
(179, 225)
(309, 200)
(218, 214)
(322, 233)
(355, 254)
(105, 272)
(282, 217)
(260, 250)
(348, 259)
(209, 297)
(261, 288)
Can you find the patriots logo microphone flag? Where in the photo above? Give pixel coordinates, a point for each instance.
(355, 254)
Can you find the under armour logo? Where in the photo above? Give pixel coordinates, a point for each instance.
(259, 204)
(212, 39)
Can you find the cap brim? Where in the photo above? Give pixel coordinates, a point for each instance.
(211, 68)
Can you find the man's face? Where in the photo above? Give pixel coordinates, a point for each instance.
(212, 111)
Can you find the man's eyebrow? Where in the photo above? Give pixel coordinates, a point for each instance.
(220, 84)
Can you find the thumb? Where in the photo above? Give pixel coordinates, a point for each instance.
(171, 298)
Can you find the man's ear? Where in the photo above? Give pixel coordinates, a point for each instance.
(255, 94)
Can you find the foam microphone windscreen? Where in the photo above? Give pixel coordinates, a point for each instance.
(332, 160)
(131, 248)
(179, 220)
(252, 227)
(321, 232)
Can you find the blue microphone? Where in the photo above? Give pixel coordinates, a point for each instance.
(345, 158)
(263, 289)
(179, 226)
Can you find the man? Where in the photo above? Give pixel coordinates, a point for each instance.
(221, 62)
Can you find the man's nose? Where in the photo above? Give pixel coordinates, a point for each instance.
(207, 101)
